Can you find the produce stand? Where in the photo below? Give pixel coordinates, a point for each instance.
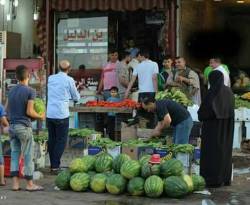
(93, 117)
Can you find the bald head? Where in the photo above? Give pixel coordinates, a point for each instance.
(64, 65)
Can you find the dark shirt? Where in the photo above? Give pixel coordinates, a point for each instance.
(176, 111)
(17, 104)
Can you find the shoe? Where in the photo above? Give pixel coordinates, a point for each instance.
(37, 188)
(55, 171)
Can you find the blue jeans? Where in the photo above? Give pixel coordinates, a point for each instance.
(182, 131)
(1, 153)
(58, 134)
(22, 143)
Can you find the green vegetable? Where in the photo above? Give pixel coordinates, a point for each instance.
(116, 184)
(130, 169)
(98, 183)
(183, 148)
(103, 163)
(175, 187)
(199, 182)
(153, 186)
(79, 181)
(62, 180)
(136, 186)
(118, 162)
(172, 167)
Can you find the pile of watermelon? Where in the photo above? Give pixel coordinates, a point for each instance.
(102, 173)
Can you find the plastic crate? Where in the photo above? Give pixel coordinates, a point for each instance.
(7, 162)
(94, 150)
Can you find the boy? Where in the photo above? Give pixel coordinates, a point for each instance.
(5, 123)
(21, 112)
(111, 116)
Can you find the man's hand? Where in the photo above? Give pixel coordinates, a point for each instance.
(156, 133)
(43, 116)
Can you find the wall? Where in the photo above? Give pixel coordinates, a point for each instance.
(22, 24)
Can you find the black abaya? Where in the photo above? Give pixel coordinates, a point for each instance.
(217, 115)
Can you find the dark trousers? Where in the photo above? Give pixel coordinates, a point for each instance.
(143, 113)
(111, 127)
(58, 134)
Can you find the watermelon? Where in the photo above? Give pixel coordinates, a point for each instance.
(199, 182)
(89, 163)
(91, 174)
(144, 159)
(175, 187)
(118, 161)
(153, 186)
(136, 186)
(130, 169)
(77, 165)
(149, 169)
(98, 183)
(189, 182)
(39, 106)
(79, 181)
(63, 179)
(172, 167)
(116, 184)
(103, 163)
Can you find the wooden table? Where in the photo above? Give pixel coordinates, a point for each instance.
(100, 109)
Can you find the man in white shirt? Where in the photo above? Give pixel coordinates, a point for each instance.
(215, 63)
(146, 71)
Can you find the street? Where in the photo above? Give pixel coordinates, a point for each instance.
(238, 193)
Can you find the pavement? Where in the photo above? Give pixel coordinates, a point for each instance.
(237, 194)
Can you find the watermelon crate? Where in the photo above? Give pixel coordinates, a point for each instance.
(114, 151)
(78, 142)
(162, 152)
(185, 158)
(136, 152)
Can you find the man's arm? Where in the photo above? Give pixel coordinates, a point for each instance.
(161, 125)
(73, 91)
(130, 85)
(100, 87)
(155, 83)
(32, 113)
(4, 122)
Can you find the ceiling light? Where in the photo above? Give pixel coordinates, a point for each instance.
(217, 0)
(35, 16)
(8, 18)
(240, 1)
(2, 2)
(15, 3)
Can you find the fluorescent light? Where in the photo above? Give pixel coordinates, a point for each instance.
(35, 16)
(240, 1)
(217, 0)
(2, 2)
(8, 17)
(15, 3)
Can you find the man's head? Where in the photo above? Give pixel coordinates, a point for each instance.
(214, 62)
(114, 91)
(64, 66)
(125, 56)
(167, 62)
(148, 104)
(22, 73)
(82, 67)
(113, 56)
(143, 54)
(180, 63)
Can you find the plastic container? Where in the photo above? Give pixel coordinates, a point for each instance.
(155, 159)
(7, 160)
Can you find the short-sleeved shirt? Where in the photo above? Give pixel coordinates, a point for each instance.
(109, 75)
(176, 111)
(17, 104)
(122, 72)
(145, 71)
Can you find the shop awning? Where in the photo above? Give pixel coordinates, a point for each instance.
(116, 5)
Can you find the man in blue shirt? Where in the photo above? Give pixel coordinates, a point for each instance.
(61, 89)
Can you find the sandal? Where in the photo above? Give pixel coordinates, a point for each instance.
(3, 184)
(36, 188)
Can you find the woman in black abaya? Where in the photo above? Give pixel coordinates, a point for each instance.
(217, 114)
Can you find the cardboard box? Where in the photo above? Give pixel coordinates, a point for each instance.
(144, 133)
(78, 142)
(185, 158)
(136, 152)
(128, 133)
(161, 152)
(115, 151)
(94, 150)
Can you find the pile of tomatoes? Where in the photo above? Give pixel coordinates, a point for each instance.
(125, 103)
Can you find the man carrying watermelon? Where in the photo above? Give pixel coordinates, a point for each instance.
(170, 113)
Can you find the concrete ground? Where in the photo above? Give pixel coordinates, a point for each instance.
(237, 194)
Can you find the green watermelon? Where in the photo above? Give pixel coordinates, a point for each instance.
(79, 181)
(98, 183)
(103, 163)
(77, 165)
(146, 170)
(136, 186)
(155, 169)
(189, 182)
(130, 169)
(63, 179)
(175, 187)
(91, 174)
(89, 163)
(144, 159)
(199, 182)
(118, 161)
(116, 184)
(172, 167)
(153, 186)
(39, 106)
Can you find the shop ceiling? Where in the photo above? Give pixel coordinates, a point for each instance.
(226, 2)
